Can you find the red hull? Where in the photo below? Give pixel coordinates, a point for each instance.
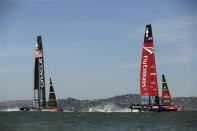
(171, 108)
(52, 110)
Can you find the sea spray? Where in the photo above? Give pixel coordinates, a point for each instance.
(108, 108)
(10, 109)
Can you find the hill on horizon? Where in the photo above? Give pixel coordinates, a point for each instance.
(116, 103)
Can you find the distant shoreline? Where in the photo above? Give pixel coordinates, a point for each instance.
(120, 101)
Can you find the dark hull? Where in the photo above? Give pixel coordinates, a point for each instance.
(152, 108)
(37, 109)
(29, 109)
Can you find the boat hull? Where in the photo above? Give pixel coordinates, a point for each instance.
(29, 109)
(43, 110)
(52, 110)
(171, 108)
(153, 108)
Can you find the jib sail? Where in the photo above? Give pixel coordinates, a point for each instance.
(52, 102)
(166, 98)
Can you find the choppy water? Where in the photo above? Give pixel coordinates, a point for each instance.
(92, 121)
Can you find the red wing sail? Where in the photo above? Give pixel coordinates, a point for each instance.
(166, 98)
(153, 77)
(144, 74)
(148, 75)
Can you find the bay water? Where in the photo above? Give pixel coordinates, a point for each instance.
(98, 121)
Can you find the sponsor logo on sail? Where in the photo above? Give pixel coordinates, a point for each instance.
(41, 73)
(144, 70)
(149, 49)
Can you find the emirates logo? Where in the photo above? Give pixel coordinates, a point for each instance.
(149, 49)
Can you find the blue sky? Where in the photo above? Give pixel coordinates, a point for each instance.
(93, 47)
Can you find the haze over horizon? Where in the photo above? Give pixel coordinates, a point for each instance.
(92, 49)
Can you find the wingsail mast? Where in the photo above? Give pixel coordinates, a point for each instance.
(148, 76)
(39, 76)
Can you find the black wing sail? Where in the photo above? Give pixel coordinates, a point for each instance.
(39, 76)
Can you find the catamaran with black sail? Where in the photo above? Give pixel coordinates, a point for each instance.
(40, 103)
(39, 79)
(148, 77)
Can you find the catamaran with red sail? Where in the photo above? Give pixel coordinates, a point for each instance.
(148, 79)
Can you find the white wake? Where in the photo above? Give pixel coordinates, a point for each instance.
(108, 108)
(10, 109)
